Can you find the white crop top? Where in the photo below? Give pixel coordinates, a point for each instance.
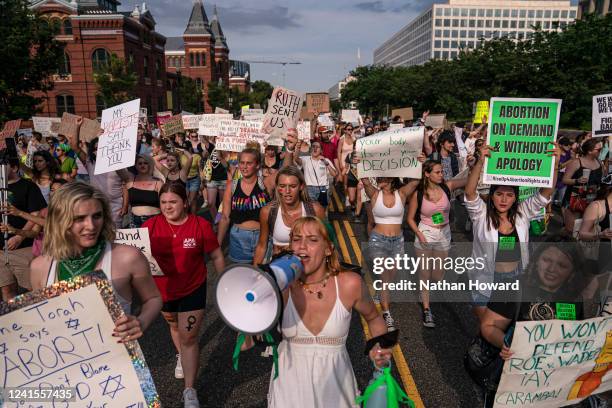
(385, 215)
(280, 235)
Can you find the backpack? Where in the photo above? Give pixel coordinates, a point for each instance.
(417, 215)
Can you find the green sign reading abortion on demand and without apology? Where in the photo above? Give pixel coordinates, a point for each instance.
(521, 132)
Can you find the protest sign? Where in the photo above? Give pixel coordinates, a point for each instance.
(139, 238)
(557, 362)
(173, 125)
(69, 126)
(234, 135)
(395, 126)
(283, 112)
(436, 121)
(117, 145)
(90, 129)
(221, 110)
(391, 154)
(163, 117)
(54, 127)
(521, 132)
(9, 130)
(60, 340)
(404, 113)
(602, 115)
(325, 120)
(482, 109)
(209, 124)
(317, 102)
(304, 130)
(191, 121)
(25, 132)
(43, 124)
(351, 116)
(253, 114)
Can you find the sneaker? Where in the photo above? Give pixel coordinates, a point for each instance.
(428, 320)
(205, 204)
(190, 398)
(178, 370)
(347, 203)
(389, 321)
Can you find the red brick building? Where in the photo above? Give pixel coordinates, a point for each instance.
(201, 54)
(93, 30)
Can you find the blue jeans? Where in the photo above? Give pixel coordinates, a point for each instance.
(315, 191)
(193, 184)
(242, 244)
(136, 221)
(382, 246)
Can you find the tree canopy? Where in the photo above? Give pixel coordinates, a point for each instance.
(116, 82)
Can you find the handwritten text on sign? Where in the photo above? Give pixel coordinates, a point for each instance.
(117, 146)
(557, 363)
(139, 238)
(391, 154)
(283, 112)
(602, 115)
(234, 135)
(66, 342)
(209, 124)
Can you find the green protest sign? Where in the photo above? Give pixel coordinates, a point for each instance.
(521, 132)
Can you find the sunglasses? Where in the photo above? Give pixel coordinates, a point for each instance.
(386, 340)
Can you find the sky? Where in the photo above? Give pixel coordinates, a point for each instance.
(324, 35)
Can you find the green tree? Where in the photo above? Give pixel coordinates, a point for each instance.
(261, 91)
(116, 82)
(191, 96)
(30, 56)
(239, 99)
(218, 95)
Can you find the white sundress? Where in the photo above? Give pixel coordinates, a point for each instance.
(314, 371)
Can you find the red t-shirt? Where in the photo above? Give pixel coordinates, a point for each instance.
(180, 258)
(330, 149)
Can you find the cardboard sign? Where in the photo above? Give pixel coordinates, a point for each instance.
(173, 125)
(54, 128)
(117, 145)
(317, 102)
(191, 121)
(521, 131)
(391, 154)
(602, 115)
(283, 113)
(557, 362)
(404, 113)
(139, 238)
(90, 129)
(9, 130)
(351, 116)
(482, 109)
(234, 135)
(69, 126)
(436, 121)
(221, 110)
(60, 338)
(209, 124)
(43, 125)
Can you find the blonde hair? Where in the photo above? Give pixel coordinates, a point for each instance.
(149, 161)
(291, 171)
(58, 239)
(333, 263)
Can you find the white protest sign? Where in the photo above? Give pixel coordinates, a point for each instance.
(557, 362)
(234, 135)
(395, 126)
(391, 154)
(253, 114)
(325, 120)
(117, 145)
(283, 113)
(191, 121)
(303, 129)
(602, 115)
(139, 238)
(221, 110)
(66, 342)
(43, 125)
(209, 124)
(351, 116)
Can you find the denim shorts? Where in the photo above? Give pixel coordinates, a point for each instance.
(220, 184)
(480, 299)
(315, 191)
(242, 244)
(136, 221)
(382, 246)
(193, 184)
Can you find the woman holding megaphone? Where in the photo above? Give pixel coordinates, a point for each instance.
(315, 325)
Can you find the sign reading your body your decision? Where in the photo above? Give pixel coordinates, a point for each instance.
(521, 132)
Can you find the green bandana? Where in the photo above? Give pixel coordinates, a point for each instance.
(86, 262)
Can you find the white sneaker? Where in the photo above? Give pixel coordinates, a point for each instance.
(190, 398)
(389, 321)
(178, 370)
(205, 204)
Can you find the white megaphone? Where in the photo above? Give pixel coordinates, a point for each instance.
(249, 298)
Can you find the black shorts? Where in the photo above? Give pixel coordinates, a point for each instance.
(351, 180)
(196, 300)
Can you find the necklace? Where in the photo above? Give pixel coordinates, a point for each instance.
(172, 229)
(319, 293)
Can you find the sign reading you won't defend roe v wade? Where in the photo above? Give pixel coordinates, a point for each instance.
(521, 132)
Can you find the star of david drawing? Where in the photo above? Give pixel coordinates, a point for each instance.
(3, 348)
(72, 323)
(111, 386)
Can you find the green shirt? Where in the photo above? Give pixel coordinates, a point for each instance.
(67, 165)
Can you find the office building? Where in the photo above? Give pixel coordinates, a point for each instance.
(599, 7)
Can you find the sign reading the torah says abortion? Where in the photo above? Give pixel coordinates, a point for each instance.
(283, 113)
(391, 154)
(557, 362)
(117, 145)
(234, 135)
(61, 339)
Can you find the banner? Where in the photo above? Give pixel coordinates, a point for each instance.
(602, 115)
(521, 132)
(117, 145)
(139, 238)
(482, 109)
(436, 121)
(404, 113)
(173, 125)
(557, 362)
(234, 135)
(59, 340)
(209, 123)
(43, 125)
(90, 129)
(191, 121)
(317, 102)
(283, 113)
(351, 116)
(391, 154)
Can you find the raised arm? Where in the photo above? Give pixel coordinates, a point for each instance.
(471, 192)
(556, 152)
(159, 166)
(185, 169)
(370, 190)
